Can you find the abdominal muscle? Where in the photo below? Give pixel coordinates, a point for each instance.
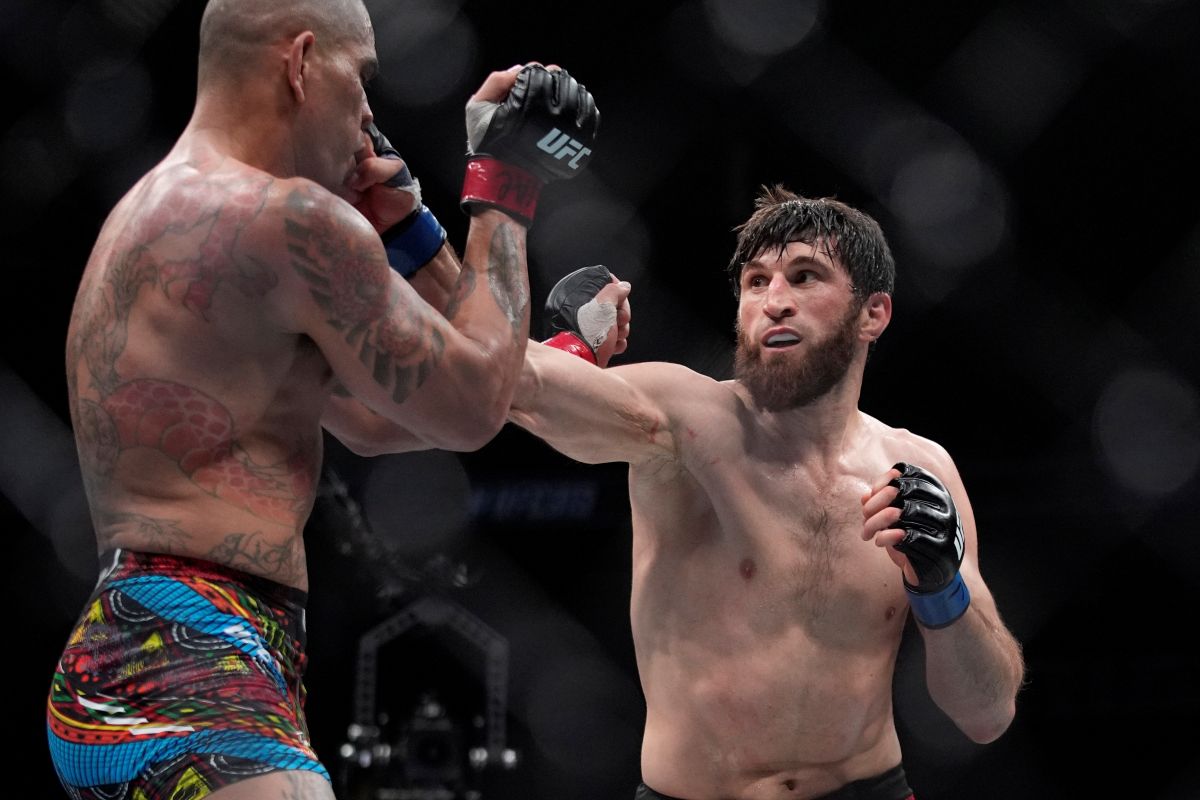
(764, 677)
(786, 720)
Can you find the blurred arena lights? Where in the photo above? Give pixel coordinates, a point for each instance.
(427, 51)
(1147, 431)
(45, 484)
(952, 205)
(107, 106)
(600, 228)
(37, 162)
(569, 694)
(417, 502)
(763, 27)
(1011, 75)
(137, 18)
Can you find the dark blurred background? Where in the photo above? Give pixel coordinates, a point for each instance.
(1034, 166)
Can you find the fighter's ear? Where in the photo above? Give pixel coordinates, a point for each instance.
(875, 316)
(296, 57)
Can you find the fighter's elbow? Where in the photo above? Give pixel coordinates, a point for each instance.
(989, 726)
(482, 432)
(472, 430)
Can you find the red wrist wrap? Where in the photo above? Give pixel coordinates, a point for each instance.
(570, 343)
(500, 185)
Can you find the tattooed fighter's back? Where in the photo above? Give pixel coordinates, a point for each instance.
(197, 414)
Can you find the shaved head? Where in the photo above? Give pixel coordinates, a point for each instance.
(234, 33)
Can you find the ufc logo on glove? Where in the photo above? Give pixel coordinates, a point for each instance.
(560, 145)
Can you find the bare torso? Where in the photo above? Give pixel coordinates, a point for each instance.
(766, 629)
(197, 417)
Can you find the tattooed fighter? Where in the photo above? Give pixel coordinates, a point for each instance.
(260, 266)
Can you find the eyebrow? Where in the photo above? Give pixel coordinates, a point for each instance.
(803, 259)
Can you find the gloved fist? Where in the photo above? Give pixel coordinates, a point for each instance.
(525, 127)
(411, 235)
(925, 539)
(546, 125)
(383, 149)
(933, 535)
(587, 314)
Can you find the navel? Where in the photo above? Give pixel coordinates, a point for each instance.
(747, 568)
(891, 612)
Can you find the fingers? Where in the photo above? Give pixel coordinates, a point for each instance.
(885, 479)
(372, 171)
(884, 519)
(497, 85)
(617, 293)
(888, 539)
(879, 515)
(880, 518)
(878, 500)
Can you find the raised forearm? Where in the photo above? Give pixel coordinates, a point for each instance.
(437, 281)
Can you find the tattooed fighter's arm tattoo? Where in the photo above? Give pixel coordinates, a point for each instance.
(463, 289)
(505, 278)
(360, 301)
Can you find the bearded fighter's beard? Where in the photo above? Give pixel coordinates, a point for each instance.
(786, 384)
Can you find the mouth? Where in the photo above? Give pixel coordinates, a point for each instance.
(780, 339)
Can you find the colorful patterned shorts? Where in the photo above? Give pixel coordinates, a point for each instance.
(181, 676)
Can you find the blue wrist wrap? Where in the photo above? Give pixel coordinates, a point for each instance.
(938, 609)
(413, 242)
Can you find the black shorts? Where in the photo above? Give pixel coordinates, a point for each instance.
(890, 785)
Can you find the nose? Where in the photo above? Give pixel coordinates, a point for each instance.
(368, 116)
(779, 302)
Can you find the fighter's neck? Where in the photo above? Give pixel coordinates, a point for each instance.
(824, 426)
(257, 139)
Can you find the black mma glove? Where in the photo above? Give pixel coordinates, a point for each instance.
(933, 543)
(575, 322)
(542, 131)
(413, 241)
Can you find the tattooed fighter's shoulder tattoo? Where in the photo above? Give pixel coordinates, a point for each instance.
(349, 280)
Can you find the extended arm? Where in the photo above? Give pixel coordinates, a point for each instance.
(596, 415)
(974, 666)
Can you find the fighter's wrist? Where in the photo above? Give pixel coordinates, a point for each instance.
(491, 183)
(573, 343)
(940, 607)
(413, 242)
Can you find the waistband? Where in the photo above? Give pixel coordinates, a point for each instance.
(890, 785)
(122, 563)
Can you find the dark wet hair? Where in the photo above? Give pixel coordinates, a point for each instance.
(849, 236)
